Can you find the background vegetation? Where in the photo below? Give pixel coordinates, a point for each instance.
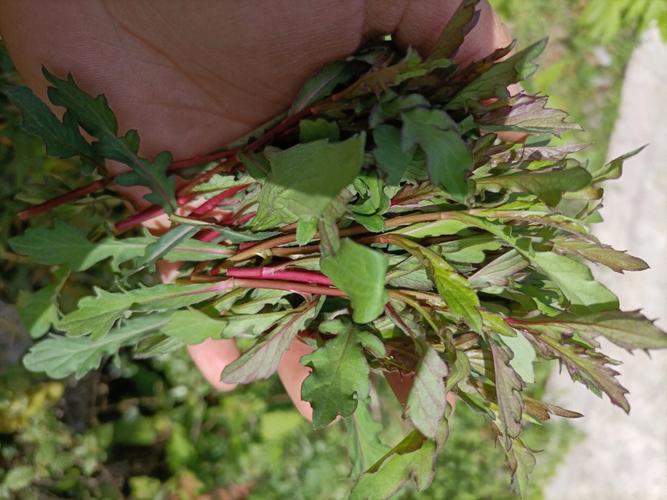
(156, 430)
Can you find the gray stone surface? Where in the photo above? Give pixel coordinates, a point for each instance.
(625, 457)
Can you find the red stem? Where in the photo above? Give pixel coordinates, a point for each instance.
(73, 195)
(200, 159)
(271, 273)
(213, 202)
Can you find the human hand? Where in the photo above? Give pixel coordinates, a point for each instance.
(192, 78)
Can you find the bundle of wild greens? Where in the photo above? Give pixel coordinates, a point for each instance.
(387, 220)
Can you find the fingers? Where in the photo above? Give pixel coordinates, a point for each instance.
(211, 357)
(422, 23)
(292, 374)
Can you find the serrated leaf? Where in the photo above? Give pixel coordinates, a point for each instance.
(599, 253)
(96, 314)
(427, 399)
(528, 114)
(547, 186)
(365, 447)
(508, 393)
(630, 330)
(61, 138)
(96, 118)
(360, 272)
(584, 365)
(306, 178)
(339, 378)
(494, 82)
(261, 360)
(61, 357)
(448, 158)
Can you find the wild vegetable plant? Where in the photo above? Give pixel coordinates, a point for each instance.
(388, 219)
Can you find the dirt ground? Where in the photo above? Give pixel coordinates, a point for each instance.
(625, 457)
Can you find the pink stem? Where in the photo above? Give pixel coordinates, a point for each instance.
(275, 285)
(270, 273)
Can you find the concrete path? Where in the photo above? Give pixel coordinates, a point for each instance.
(625, 457)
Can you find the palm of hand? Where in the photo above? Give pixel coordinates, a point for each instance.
(191, 79)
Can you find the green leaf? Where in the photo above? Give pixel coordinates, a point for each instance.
(322, 84)
(365, 447)
(19, 477)
(601, 254)
(261, 360)
(445, 227)
(339, 378)
(523, 356)
(165, 244)
(62, 139)
(360, 272)
(371, 343)
(96, 314)
(448, 158)
(494, 82)
(192, 327)
(60, 357)
(63, 244)
(427, 400)
(315, 130)
(389, 154)
(508, 393)
(500, 271)
(613, 169)
(250, 325)
(96, 118)
(630, 330)
(306, 178)
(547, 186)
(459, 25)
(470, 250)
(452, 287)
(522, 462)
(413, 458)
(305, 230)
(575, 281)
(39, 311)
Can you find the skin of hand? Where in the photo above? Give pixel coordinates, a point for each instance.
(192, 76)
